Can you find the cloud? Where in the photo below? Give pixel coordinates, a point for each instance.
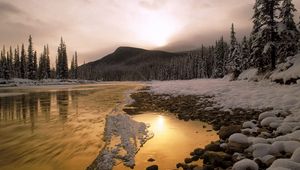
(7, 8)
(152, 4)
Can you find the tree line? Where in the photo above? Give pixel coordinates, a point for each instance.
(19, 63)
(274, 37)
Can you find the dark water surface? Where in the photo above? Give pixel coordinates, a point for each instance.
(55, 127)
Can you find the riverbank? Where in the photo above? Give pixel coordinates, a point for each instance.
(258, 122)
(16, 82)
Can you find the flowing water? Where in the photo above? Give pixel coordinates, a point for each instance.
(172, 142)
(57, 127)
(61, 127)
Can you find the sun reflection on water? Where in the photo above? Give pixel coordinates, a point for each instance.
(159, 126)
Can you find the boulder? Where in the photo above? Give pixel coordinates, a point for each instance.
(226, 131)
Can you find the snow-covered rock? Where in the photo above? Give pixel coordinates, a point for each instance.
(238, 138)
(245, 164)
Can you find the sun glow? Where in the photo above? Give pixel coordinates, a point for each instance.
(159, 124)
(156, 29)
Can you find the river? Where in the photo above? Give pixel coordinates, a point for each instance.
(61, 127)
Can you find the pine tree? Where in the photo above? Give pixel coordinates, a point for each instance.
(72, 68)
(221, 50)
(35, 65)
(2, 63)
(23, 66)
(6, 74)
(62, 61)
(75, 66)
(230, 59)
(30, 64)
(288, 32)
(10, 63)
(245, 54)
(17, 63)
(47, 58)
(265, 37)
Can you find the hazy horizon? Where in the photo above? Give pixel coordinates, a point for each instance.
(97, 27)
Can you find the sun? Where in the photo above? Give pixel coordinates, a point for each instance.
(156, 29)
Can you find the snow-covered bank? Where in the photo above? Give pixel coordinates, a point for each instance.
(123, 137)
(234, 94)
(271, 141)
(45, 82)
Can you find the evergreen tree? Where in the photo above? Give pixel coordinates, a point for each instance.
(62, 61)
(2, 63)
(47, 58)
(288, 32)
(245, 54)
(265, 19)
(35, 65)
(75, 66)
(72, 68)
(233, 52)
(10, 63)
(31, 60)
(220, 52)
(23, 66)
(17, 64)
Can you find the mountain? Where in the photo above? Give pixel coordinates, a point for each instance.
(128, 63)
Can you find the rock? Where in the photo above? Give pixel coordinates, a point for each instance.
(197, 168)
(199, 151)
(130, 110)
(179, 165)
(152, 167)
(151, 160)
(213, 147)
(195, 158)
(217, 159)
(236, 147)
(226, 131)
(188, 160)
(208, 167)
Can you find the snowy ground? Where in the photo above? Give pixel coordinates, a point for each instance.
(284, 120)
(233, 94)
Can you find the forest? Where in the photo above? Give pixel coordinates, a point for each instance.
(19, 63)
(274, 37)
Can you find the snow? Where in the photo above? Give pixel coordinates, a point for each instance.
(292, 72)
(236, 94)
(284, 163)
(238, 138)
(249, 124)
(250, 74)
(282, 121)
(245, 164)
(123, 137)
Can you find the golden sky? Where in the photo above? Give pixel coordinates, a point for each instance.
(96, 27)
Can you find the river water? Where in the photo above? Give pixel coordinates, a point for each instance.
(61, 127)
(57, 127)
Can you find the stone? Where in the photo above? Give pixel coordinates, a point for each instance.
(217, 159)
(188, 160)
(226, 131)
(151, 160)
(199, 151)
(213, 147)
(152, 167)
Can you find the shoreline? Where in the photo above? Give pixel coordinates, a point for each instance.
(223, 153)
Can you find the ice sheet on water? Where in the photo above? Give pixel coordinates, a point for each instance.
(123, 137)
